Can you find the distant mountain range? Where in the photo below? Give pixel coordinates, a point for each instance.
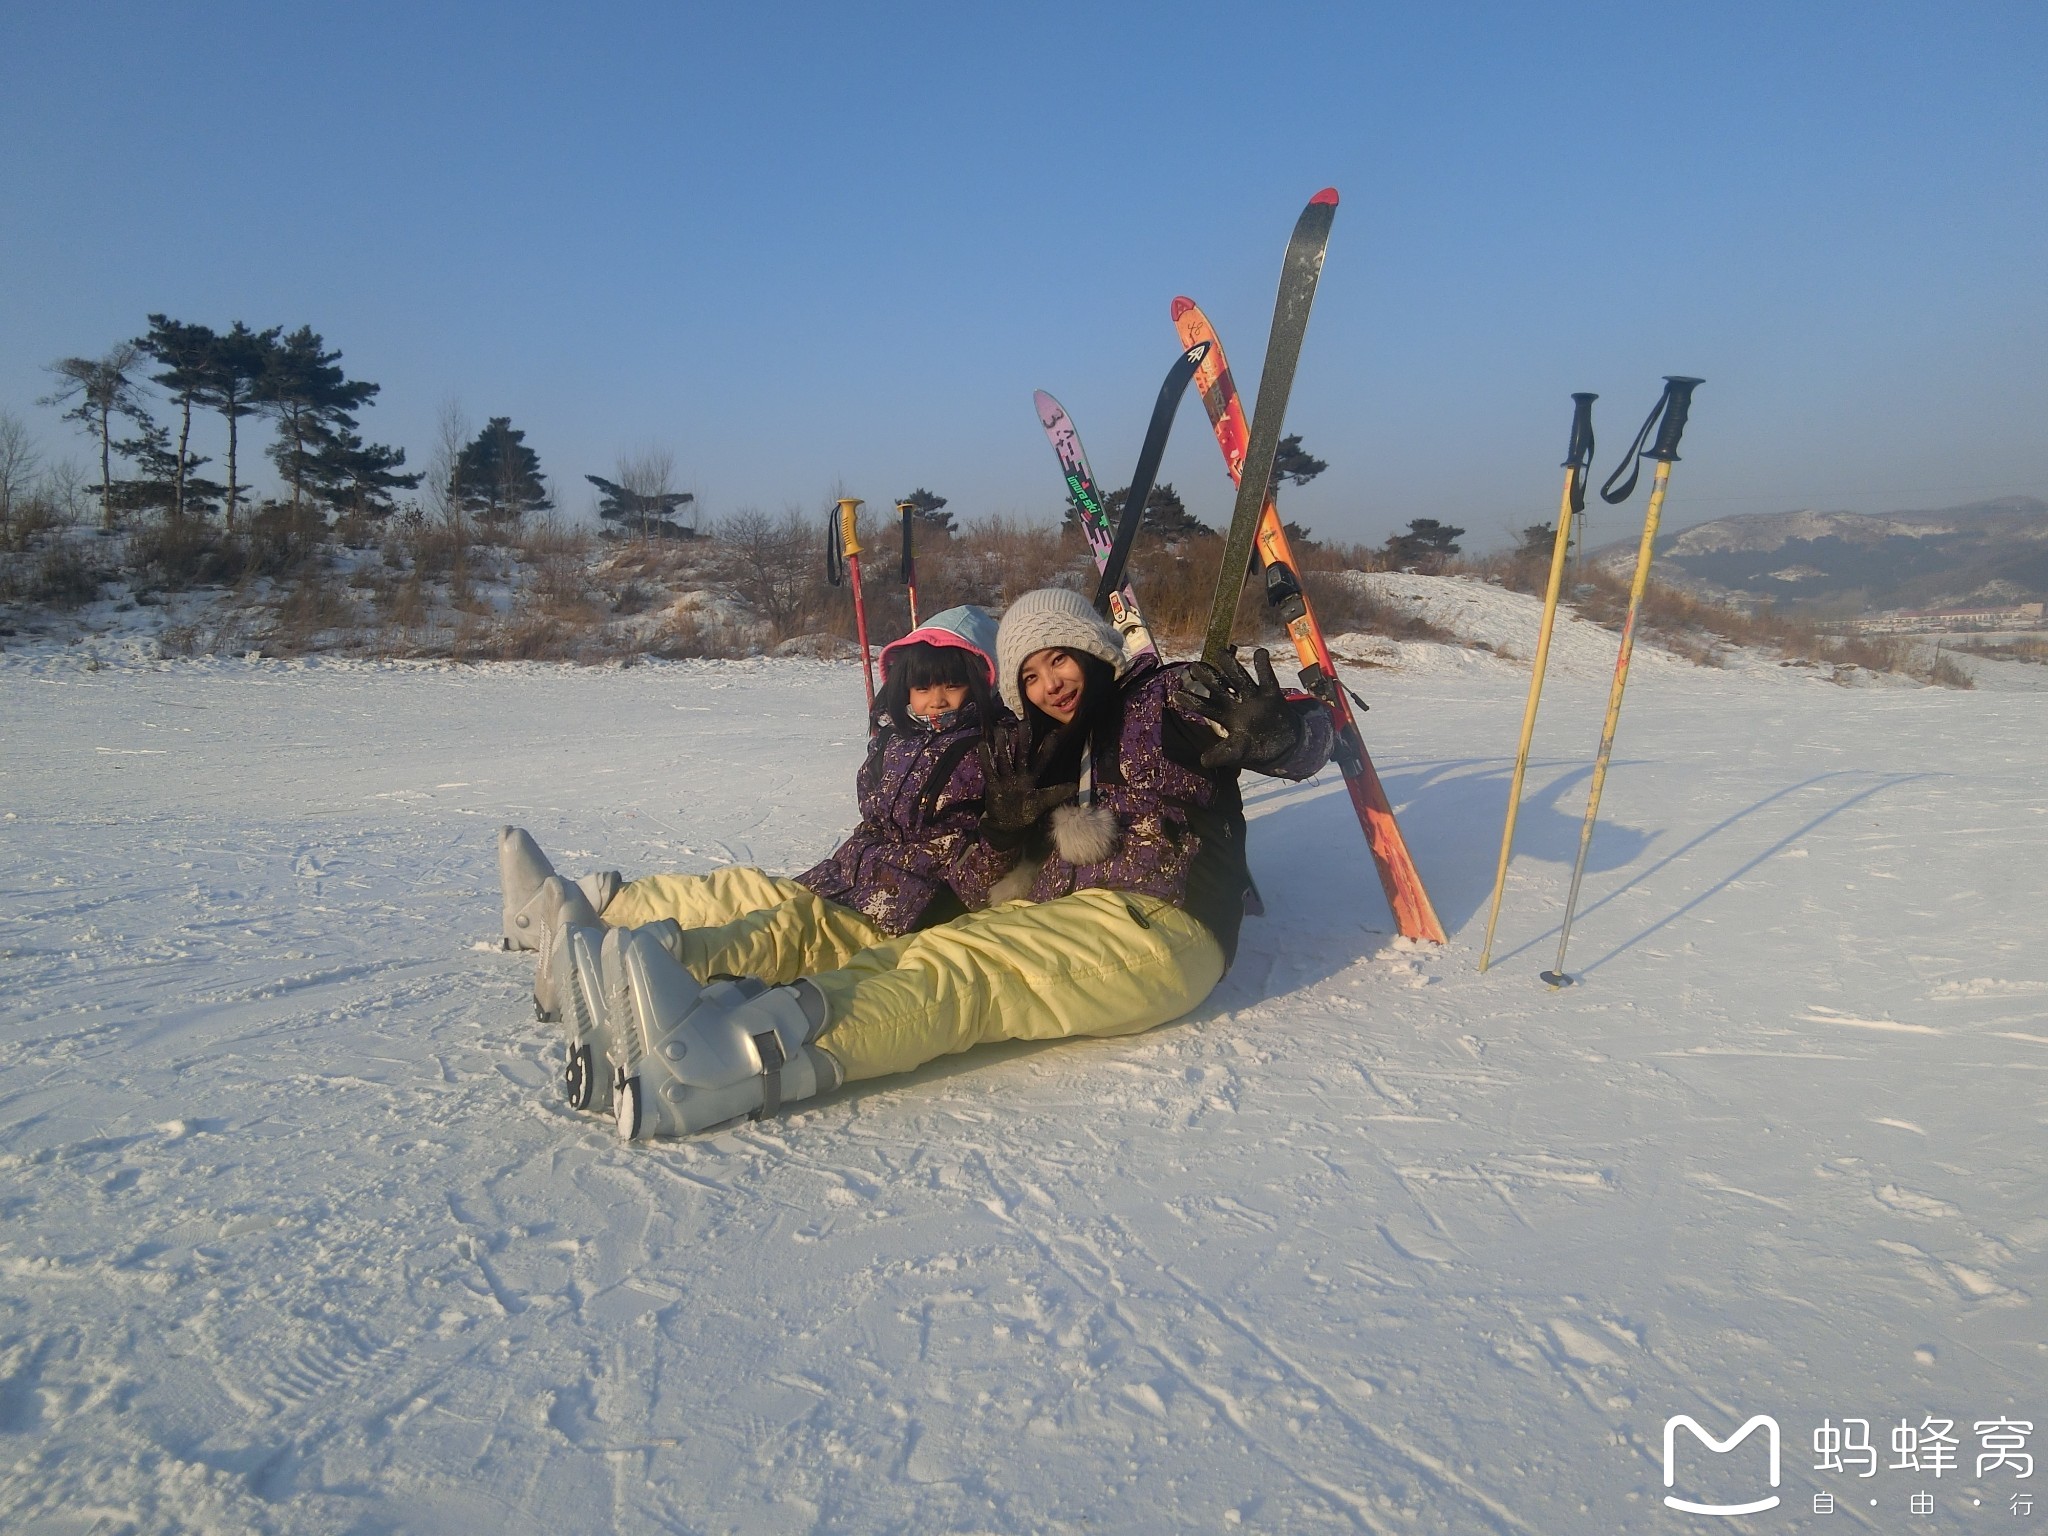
(1862, 562)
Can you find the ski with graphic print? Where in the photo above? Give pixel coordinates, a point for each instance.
(1085, 496)
(1109, 542)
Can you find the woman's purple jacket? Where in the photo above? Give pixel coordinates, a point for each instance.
(1180, 826)
(918, 857)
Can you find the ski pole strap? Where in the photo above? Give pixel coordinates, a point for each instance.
(909, 560)
(835, 559)
(1579, 455)
(1672, 405)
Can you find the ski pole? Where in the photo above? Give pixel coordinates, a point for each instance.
(842, 542)
(909, 511)
(1672, 405)
(1578, 460)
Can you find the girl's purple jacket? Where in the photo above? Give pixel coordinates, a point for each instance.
(918, 857)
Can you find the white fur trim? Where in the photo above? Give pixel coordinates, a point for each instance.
(1016, 885)
(1084, 834)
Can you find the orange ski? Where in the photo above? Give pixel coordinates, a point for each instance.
(1413, 914)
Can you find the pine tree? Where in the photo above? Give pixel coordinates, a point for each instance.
(97, 389)
(1165, 514)
(357, 478)
(228, 376)
(305, 392)
(930, 510)
(183, 351)
(166, 482)
(647, 512)
(1293, 464)
(497, 477)
(1424, 547)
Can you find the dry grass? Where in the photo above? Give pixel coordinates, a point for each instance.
(540, 590)
(1700, 630)
(2032, 648)
(63, 575)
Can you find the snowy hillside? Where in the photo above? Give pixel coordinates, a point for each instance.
(298, 1238)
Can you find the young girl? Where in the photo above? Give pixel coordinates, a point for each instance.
(1127, 784)
(917, 858)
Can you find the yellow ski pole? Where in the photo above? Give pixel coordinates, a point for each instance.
(1673, 405)
(1578, 460)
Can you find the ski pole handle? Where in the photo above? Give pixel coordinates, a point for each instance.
(1677, 403)
(908, 511)
(1670, 410)
(849, 532)
(1578, 457)
(1580, 454)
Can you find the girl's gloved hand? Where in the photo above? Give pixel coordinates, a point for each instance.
(1252, 719)
(1012, 802)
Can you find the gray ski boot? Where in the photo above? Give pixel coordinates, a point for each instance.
(597, 1007)
(587, 1070)
(696, 1057)
(556, 906)
(522, 867)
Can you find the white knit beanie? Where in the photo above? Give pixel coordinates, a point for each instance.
(1051, 616)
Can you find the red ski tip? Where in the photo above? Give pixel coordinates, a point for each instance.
(1181, 306)
(1327, 195)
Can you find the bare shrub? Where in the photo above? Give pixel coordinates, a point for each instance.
(314, 605)
(178, 554)
(45, 507)
(547, 536)
(689, 635)
(2032, 648)
(776, 564)
(1945, 673)
(284, 541)
(224, 635)
(538, 636)
(559, 585)
(18, 464)
(405, 607)
(64, 577)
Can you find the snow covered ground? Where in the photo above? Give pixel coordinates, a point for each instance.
(295, 1235)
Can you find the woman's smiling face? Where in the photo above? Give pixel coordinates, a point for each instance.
(1052, 680)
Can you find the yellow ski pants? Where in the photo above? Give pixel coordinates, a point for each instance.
(1092, 963)
(738, 921)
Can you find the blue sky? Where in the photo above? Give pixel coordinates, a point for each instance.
(811, 245)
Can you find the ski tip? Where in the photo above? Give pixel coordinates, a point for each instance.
(1180, 306)
(1327, 195)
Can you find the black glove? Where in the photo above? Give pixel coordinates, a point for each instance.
(1012, 802)
(1253, 721)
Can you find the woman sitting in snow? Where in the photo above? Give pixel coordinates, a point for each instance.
(917, 858)
(1131, 919)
